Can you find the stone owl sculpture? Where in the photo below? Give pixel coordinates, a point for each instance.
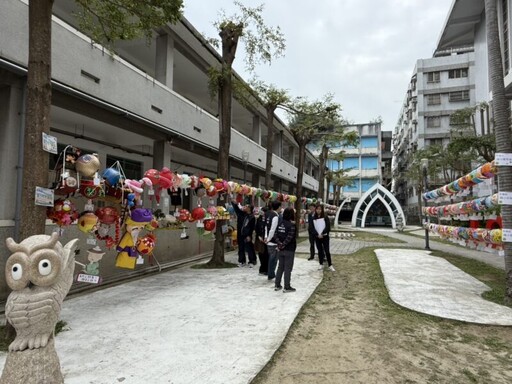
(40, 273)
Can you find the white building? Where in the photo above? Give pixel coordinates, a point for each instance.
(147, 107)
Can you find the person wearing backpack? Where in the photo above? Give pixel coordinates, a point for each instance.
(272, 220)
(286, 245)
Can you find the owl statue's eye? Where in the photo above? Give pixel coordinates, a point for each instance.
(45, 267)
(16, 271)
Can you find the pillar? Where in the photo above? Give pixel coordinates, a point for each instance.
(256, 129)
(162, 158)
(164, 61)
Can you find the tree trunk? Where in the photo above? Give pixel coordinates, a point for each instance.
(324, 153)
(270, 147)
(39, 99)
(501, 108)
(229, 37)
(300, 173)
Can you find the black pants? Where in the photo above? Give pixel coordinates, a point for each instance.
(323, 250)
(311, 245)
(286, 259)
(243, 247)
(263, 261)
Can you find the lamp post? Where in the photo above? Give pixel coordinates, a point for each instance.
(424, 166)
(245, 159)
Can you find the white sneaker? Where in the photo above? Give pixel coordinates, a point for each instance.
(331, 268)
(321, 267)
(240, 265)
(250, 265)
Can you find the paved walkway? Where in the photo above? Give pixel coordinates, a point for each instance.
(207, 326)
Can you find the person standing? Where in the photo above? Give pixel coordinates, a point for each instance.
(286, 245)
(259, 242)
(245, 228)
(272, 220)
(311, 231)
(322, 228)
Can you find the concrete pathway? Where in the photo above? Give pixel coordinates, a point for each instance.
(434, 286)
(182, 326)
(223, 326)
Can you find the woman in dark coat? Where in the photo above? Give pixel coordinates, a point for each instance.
(322, 227)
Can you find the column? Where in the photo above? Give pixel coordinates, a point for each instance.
(162, 158)
(256, 129)
(164, 61)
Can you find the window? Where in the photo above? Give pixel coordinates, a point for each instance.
(458, 96)
(132, 169)
(435, 142)
(506, 50)
(459, 120)
(458, 73)
(434, 122)
(369, 142)
(433, 77)
(434, 99)
(351, 162)
(369, 162)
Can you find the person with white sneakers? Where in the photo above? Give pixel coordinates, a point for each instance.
(322, 227)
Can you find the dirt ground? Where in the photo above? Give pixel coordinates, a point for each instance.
(351, 332)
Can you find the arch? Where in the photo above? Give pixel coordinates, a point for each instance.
(377, 192)
(347, 200)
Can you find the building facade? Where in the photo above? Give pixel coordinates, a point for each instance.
(456, 77)
(147, 106)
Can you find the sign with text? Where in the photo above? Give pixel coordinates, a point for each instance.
(44, 197)
(503, 159)
(49, 143)
(85, 278)
(505, 198)
(506, 235)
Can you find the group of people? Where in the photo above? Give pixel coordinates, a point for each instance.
(275, 240)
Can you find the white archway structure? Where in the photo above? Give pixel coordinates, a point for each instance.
(347, 200)
(375, 193)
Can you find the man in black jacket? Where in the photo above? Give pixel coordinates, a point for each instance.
(245, 227)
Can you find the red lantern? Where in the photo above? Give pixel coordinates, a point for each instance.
(184, 214)
(146, 244)
(153, 175)
(198, 213)
(209, 225)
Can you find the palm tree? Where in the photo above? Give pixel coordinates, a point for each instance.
(501, 111)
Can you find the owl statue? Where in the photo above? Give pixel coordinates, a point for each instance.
(40, 273)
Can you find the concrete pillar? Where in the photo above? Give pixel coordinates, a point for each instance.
(164, 61)
(162, 158)
(280, 144)
(256, 129)
(292, 151)
(10, 125)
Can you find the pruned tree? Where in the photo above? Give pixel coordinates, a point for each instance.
(501, 112)
(272, 98)
(107, 21)
(328, 139)
(262, 43)
(308, 121)
(338, 179)
(466, 140)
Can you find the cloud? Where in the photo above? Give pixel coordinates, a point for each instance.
(363, 51)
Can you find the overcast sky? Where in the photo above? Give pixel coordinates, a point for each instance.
(362, 51)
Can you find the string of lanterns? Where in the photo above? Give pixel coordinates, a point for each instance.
(484, 172)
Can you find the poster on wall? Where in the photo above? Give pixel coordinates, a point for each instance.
(49, 143)
(44, 197)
